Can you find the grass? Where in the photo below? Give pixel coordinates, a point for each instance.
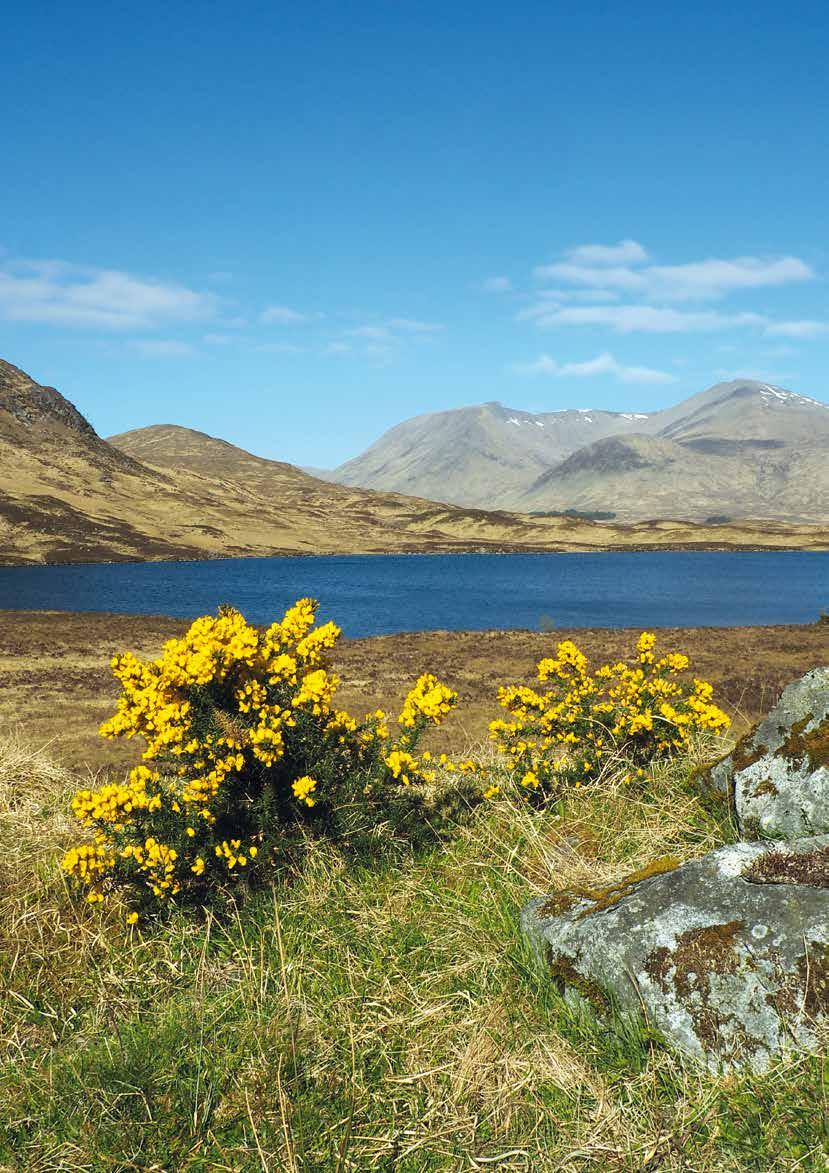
(384, 1017)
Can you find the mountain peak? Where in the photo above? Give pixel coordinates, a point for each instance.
(691, 459)
(30, 403)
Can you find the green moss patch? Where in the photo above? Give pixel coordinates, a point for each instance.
(812, 745)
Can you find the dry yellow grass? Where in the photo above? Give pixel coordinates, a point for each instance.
(59, 687)
(383, 1017)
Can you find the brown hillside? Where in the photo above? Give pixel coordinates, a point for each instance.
(66, 495)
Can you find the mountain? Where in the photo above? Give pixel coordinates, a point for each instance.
(739, 450)
(742, 449)
(67, 495)
(478, 455)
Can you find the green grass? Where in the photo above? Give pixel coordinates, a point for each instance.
(360, 1018)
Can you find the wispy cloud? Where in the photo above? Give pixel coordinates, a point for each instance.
(161, 348)
(602, 364)
(805, 328)
(66, 294)
(627, 319)
(578, 295)
(548, 314)
(706, 280)
(219, 339)
(395, 326)
(626, 252)
(284, 315)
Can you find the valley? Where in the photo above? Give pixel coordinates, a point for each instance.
(167, 492)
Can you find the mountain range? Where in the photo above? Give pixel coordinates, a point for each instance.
(742, 449)
(165, 492)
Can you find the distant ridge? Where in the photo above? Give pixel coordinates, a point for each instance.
(165, 492)
(742, 448)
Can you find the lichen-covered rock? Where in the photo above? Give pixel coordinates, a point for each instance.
(727, 955)
(778, 776)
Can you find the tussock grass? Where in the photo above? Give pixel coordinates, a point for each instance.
(360, 1017)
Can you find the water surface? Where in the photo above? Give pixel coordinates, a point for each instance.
(379, 594)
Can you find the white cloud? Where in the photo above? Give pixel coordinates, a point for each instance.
(602, 364)
(81, 295)
(497, 285)
(715, 278)
(392, 326)
(806, 328)
(706, 280)
(612, 277)
(579, 295)
(283, 315)
(218, 339)
(162, 348)
(626, 252)
(627, 319)
(337, 348)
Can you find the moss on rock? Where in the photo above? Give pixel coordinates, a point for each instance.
(783, 867)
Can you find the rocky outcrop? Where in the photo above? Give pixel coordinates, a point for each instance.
(727, 956)
(778, 776)
(29, 402)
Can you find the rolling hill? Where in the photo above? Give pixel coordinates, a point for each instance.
(167, 492)
(744, 449)
(66, 495)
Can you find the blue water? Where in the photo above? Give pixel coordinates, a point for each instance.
(379, 594)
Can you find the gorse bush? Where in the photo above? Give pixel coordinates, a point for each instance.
(582, 725)
(246, 755)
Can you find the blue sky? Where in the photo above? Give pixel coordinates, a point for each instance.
(295, 225)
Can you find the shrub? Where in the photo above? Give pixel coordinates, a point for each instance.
(246, 755)
(580, 725)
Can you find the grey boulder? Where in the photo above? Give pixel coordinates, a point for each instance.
(778, 776)
(727, 955)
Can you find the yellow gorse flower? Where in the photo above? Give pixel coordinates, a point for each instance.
(302, 788)
(428, 702)
(584, 722)
(237, 723)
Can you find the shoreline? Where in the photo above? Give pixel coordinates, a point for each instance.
(58, 684)
(501, 551)
(565, 630)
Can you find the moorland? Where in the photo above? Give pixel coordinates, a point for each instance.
(373, 1013)
(59, 688)
(165, 492)
(381, 1013)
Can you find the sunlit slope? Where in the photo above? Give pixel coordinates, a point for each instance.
(66, 495)
(744, 449)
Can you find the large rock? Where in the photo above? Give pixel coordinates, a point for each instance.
(727, 955)
(778, 775)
